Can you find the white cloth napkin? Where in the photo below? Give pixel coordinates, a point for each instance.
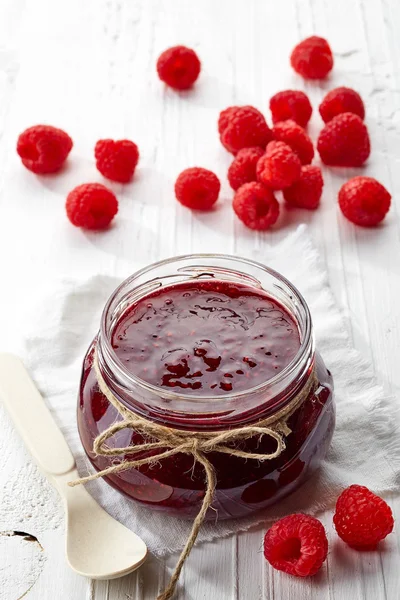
(365, 447)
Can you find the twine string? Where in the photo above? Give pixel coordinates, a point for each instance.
(168, 442)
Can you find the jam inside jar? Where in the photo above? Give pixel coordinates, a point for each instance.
(208, 343)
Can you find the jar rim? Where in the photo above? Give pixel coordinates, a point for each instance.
(194, 398)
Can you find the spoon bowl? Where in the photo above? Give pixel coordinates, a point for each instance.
(97, 546)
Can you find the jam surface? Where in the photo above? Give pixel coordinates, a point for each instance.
(211, 337)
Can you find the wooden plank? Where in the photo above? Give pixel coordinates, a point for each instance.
(107, 87)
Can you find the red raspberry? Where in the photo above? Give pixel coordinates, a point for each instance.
(43, 148)
(294, 136)
(291, 104)
(296, 544)
(197, 188)
(178, 67)
(91, 206)
(362, 519)
(116, 160)
(341, 100)
(364, 201)
(307, 191)
(243, 127)
(256, 206)
(225, 116)
(243, 168)
(312, 58)
(344, 141)
(279, 167)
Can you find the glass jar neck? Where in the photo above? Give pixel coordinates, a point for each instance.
(194, 411)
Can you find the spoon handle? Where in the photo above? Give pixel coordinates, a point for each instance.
(32, 418)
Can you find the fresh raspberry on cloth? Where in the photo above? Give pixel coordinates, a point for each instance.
(91, 206)
(312, 58)
(256, 206)
(294, 136)
(364, 201)
(307, 191)
(197, 188)
(341, 100)
(243, 168)
(280, 167)
(116, 160)
(344, 141)
(43, 148)
(178, 67)
(297, 545)
(243, 127)
(291, 104)
(362, 519)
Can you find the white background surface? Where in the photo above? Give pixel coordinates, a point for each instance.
(89, 67)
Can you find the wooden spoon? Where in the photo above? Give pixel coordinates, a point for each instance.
(97, 546)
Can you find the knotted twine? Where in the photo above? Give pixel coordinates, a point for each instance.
(198, 444)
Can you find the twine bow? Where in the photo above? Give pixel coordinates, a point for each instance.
(198, 444)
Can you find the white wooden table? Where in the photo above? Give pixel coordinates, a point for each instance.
(89, 67)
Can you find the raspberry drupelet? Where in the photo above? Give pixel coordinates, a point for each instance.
(243, 168)
(291, 104)
(297, 545)
(197, 188)
(362, 519)
(116, 160)
(312, 58)
(344, 141)
(280, 167)
(179, 67)
(256, 206)
(226, 115)
(43, 148)
(294, 136)
(243, 127)
(91, 206)
(364, 201)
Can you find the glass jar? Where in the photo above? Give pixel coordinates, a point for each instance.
(176, 485)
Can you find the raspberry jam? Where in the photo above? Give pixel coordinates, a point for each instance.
(208, 343)
(210, 336)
